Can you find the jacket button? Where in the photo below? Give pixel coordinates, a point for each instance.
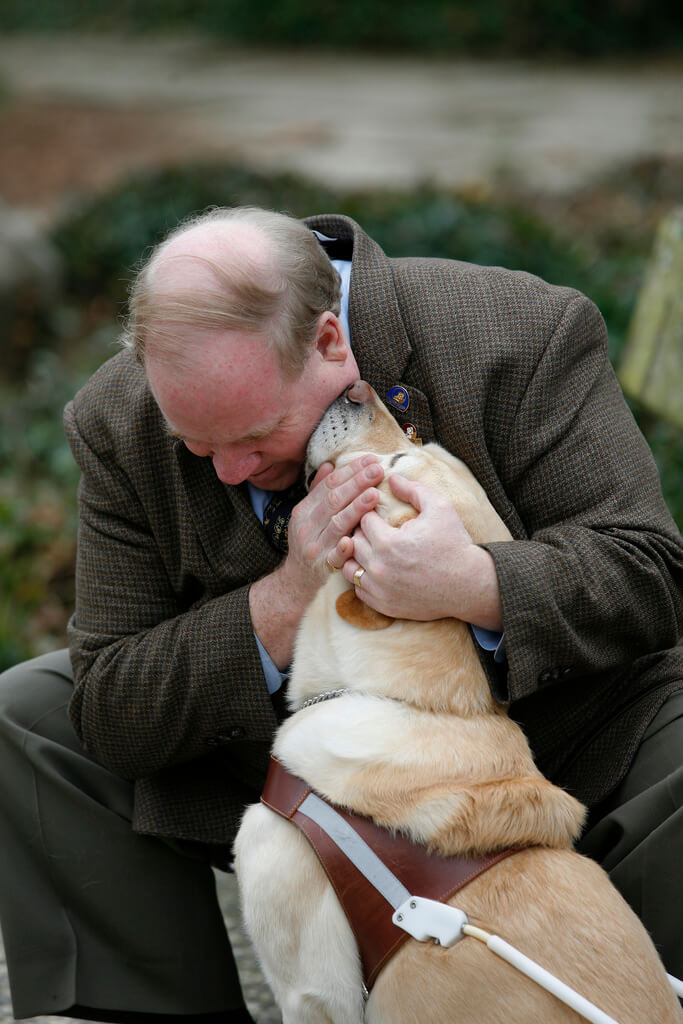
(551, 675)
(236, 732)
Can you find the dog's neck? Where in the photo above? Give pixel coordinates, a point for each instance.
(434, 667)
(320, 697)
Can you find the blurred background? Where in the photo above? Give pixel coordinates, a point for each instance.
(542, 135)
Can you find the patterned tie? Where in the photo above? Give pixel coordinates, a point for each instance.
(277, 513)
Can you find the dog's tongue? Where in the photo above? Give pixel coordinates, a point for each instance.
(359, 392)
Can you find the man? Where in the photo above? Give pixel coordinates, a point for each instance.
(239, 338)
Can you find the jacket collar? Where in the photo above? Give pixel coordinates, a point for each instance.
(378, 335)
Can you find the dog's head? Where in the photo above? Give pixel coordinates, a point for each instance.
(357, 423)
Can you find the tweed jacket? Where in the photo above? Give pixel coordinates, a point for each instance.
(511, 375)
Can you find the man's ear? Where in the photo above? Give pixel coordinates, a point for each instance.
(330, 340)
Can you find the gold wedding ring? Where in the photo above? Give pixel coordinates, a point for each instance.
(332, 568)
(357, 576)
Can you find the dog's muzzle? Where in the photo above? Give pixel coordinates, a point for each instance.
(351, 411)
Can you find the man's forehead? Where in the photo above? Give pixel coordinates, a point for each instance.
(235, 388)
(222, 414)
(254, 434)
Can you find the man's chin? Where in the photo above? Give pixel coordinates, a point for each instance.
(276, 478)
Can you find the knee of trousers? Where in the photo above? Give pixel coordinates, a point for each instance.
(38, 745)
(34, 688)
(35, 731)
(96, 915)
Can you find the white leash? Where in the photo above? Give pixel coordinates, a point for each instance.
(676, 984)
(428, 920)
(540, 976)
(447, 925)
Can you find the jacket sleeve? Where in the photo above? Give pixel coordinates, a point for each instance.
(162, 674)
(598, 582)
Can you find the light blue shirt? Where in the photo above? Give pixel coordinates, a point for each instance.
(486, 638)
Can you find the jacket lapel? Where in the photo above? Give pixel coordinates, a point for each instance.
(378, 336)
(231, 536)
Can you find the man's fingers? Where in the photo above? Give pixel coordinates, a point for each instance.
(336, 503)
(408, 490)
(339, 476)
(322, 474)
(345, 521)
(343, 551)
(350, 568)
(345, 496)
(374, 528)
(344, 473)
(345, 484)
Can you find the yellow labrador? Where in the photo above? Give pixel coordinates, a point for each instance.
(444, 765)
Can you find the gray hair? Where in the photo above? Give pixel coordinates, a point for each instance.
(284, 302)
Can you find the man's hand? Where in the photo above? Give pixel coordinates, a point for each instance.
(429, 568)
(333, 508)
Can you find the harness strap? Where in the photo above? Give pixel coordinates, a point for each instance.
(367, 909)
(356, 849)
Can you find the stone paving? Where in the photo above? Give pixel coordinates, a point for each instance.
(256, 992)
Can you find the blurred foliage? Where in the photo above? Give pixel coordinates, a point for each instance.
(38, 481)
(492, 27)
(37, 516)
(597, 240)
(104, 241)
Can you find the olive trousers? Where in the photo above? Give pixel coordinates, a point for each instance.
(94, 915)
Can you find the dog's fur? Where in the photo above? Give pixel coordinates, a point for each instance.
(444, 764)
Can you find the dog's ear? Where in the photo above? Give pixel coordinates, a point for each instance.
(354, 611)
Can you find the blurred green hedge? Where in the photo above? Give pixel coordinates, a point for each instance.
(476, 27)
(105, 236)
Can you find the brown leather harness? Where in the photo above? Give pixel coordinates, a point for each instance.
(367, 911)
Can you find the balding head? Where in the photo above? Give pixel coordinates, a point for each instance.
(197, 255)
(241, 269)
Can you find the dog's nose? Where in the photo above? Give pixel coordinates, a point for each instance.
(359, 393)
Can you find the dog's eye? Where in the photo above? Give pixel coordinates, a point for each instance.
(395, 458)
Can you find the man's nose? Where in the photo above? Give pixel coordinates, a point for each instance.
(235, 467)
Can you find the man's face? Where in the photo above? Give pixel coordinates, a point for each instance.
(234, 406)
